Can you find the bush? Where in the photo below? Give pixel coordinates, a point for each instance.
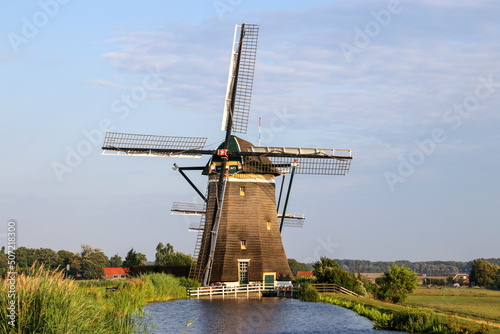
(307, 293)
(413, 320)
(303, 279)
(189, 283)
(329, 271)
(396, 284)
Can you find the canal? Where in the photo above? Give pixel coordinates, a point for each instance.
(266, 315)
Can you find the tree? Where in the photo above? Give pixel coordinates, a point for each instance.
(397, 284)
(165, 255)
(329, 271)
(115, 261)
(92, 263)
(65, 257)
(49, 258)
(75, 264)
(496, 284)
(4, 263)
(134, 258)
(297, 266)
(482, 272)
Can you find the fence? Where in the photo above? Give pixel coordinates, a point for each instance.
(209, 291)
(322, 288)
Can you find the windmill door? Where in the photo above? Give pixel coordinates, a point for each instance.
(243, 272)
(269, 279)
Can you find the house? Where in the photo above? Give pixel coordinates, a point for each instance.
(304, 274)
(461, 277)
(110, 273)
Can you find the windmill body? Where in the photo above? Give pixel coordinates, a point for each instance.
(239, 235)
(248, 246)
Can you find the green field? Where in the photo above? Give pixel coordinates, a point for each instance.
(471, 303)
(467, 306)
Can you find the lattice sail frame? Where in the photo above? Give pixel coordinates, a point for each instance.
(281, 160)
(244, 82)
(139, 144)
(191, 209)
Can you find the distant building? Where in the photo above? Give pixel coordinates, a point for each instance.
(304, 274)
(110, 273)
(463, 277)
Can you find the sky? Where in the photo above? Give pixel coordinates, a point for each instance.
(412, 87)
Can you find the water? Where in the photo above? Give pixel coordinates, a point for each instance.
(266, 315)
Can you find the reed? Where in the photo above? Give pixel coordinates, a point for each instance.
(48, 303)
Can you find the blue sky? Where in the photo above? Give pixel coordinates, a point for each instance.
(412, 87)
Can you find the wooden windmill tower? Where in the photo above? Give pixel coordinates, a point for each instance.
(239, 236)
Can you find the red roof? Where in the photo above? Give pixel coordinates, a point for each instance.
(115, 271)
(304, 273)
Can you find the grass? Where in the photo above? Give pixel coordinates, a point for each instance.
(48, 303)
(448, 322)
(478, 304)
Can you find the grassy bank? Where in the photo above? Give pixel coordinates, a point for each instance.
(417, 316)
(47, 303)
(477, 304)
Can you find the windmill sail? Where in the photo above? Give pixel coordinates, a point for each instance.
(240, 79)
(137, 144)
(279, 160)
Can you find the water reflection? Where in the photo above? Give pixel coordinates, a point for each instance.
(267, 315)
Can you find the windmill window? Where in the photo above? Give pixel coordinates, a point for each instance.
(243, 244)
(242, 191)
(268, 225)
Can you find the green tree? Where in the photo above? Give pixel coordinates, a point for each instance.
(115, 261)
(496, 284)
(165, 255)
(75, 264)
(4, 262)
(134, 258)
(329, 271)
(92, 263)
(65, 257)
(25, 257)
(482, 272)
(49, 258)
(297, 266)
(397, 284)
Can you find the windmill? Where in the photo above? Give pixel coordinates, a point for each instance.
(239, 237)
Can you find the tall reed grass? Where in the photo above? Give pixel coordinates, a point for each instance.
(48, 303)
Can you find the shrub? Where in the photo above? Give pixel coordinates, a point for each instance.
(329, 271)
(307, 293)
(189, 283)
(413, 320)
(303, 279)
(396, 284)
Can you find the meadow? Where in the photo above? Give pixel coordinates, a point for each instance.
(465, 310)
(472, 303)
(48, 303)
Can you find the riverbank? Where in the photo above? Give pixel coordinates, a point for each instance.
(452, 310)
(46, 302)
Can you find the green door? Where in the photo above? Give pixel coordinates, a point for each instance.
(268, 281)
